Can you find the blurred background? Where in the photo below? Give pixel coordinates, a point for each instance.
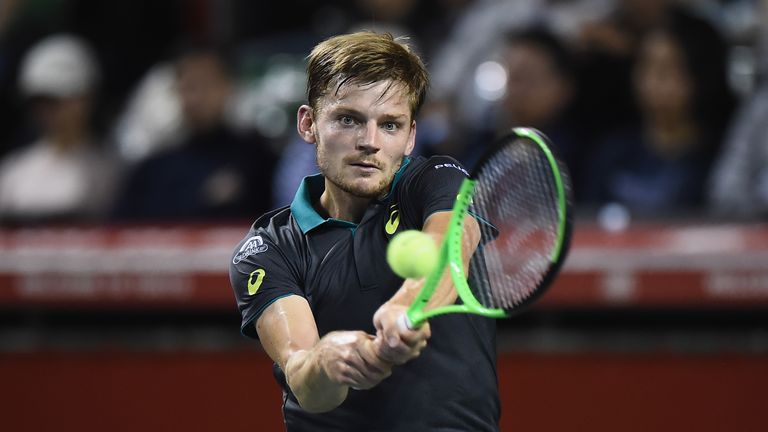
(140, 138)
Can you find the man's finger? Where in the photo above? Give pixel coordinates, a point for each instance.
(413, 337)
(369, 353)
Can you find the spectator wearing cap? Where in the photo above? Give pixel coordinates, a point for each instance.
(63, 175)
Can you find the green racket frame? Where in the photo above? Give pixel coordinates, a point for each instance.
(451, 251)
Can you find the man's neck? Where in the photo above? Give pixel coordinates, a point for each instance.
(338, 204)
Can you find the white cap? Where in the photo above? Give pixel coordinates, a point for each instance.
(61, 66)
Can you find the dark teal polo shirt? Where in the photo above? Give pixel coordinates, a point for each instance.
(339, 267)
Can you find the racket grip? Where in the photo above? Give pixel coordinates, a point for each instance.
(404, 323)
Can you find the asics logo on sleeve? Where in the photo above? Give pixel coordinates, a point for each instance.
(252, 246)
(253, 286)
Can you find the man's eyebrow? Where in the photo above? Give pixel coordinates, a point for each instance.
(395, 117)
(355, 113)
(340, 109)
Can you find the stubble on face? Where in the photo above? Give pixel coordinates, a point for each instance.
(350, 186)
(337, 171)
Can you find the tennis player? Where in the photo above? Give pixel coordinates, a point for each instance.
(311, 279)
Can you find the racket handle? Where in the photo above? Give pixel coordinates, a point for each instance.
(404, 323)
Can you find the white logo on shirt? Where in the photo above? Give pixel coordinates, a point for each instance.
(252, 246)
(451, 165)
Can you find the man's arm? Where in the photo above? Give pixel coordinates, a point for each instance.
(319, 371)
(397, 345)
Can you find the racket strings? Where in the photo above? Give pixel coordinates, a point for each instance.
(516, 200)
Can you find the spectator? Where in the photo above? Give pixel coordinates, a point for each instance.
(605, 49)
(539, 91)
(64, 175)
(739, 185)
(215, 172)
(465, 68)
(660, 163)
(474, 38)
(740, 181)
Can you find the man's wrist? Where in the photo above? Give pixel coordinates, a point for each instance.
(309, 380)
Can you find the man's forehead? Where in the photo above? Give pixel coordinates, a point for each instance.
(377, 93)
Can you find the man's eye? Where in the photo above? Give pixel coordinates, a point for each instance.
(390, 126)
(347, 120)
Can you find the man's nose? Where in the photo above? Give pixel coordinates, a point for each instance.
(369, 139)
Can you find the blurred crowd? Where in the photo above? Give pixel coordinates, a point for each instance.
(150, 111)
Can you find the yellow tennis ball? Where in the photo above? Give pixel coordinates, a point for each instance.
(412, 254)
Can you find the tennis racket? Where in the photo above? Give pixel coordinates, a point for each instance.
(519, 193)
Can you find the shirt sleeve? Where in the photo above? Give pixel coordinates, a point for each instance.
(260, 275)
(435, 187)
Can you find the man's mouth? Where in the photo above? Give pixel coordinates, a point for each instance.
(368, 165)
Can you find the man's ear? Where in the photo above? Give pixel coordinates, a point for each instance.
(411, 139)
(305, 124)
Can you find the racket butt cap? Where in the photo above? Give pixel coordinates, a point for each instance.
(404, 323)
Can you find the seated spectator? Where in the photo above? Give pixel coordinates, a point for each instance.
(739, 184)
(216, 172)
(63, 176)
(467, 82)
(605, 49)
(660, 164)
(539, 91)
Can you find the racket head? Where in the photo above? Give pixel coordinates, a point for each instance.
(522, 199)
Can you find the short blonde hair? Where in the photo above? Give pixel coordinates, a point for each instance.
(365, 58)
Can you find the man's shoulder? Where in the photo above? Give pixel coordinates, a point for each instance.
(271, 223)
(276, 217)
(432, 168)
(420, 164)
(275, 224)
(270, 230)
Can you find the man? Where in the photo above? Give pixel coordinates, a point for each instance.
(311, 279)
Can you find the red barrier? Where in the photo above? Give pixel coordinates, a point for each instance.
(124, 391)
(202, 391)
(647, 265)
(634, 392)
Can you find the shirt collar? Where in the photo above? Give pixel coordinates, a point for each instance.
(309, 191)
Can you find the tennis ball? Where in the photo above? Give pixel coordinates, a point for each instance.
(412, 254)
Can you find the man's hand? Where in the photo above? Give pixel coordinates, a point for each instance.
(399, 345)
(349, 358)
(319, 371)
(393, 343)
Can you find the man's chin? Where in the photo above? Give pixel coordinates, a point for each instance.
(370, 191)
